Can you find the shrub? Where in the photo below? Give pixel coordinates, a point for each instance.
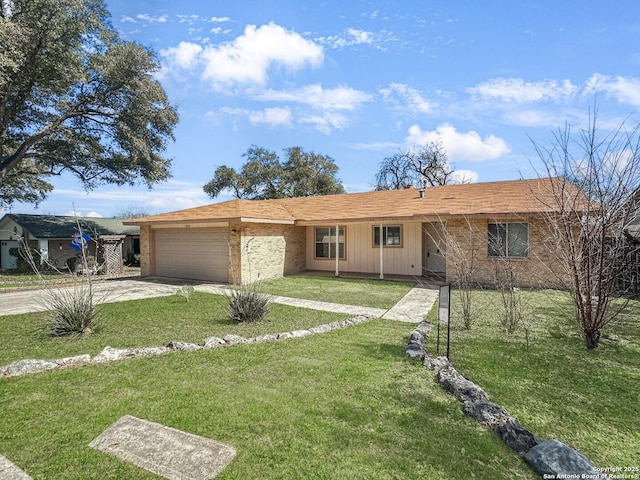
(72, 311)
(185, 291)
(248, 304)
(22, 263)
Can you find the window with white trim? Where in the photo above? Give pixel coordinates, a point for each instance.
(391, 235)
(510, 240)
(326, 242)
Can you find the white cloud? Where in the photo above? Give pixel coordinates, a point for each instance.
(219, 19)
(79, 214)
(144, 17)
(460, 146)
(184, 56)
(353, 36)
(220, 30)
(326, 122)
(516, 90)
(189, 19)
(406, 97)
(271, 116)
(247, 59)
(340, 98)
(623, 89)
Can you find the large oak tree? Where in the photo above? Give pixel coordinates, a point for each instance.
(74, 97)
(265, 176)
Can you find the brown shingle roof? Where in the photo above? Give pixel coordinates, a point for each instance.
(491, 198)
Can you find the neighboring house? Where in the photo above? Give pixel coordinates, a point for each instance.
(384, 232)
(51, 235)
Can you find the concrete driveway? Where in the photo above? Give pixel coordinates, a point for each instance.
(116, 290)
(412, 308)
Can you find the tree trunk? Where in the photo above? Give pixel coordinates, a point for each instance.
(592, 339)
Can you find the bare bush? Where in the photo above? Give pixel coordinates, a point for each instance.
(594, 198)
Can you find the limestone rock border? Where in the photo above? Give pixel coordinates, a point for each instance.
(549, 459)
(110, 354)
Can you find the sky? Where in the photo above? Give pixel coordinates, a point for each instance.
(360, 81)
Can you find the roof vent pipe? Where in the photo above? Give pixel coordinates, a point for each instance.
(421, 191)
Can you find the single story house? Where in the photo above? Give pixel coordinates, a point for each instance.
(415, 232)
(52, 236)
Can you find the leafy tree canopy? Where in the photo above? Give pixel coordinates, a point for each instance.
(76, 98)
(264, 176)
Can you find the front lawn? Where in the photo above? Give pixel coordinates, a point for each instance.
(341, 405)
(552, 383)
(143, 323)
(349, 291)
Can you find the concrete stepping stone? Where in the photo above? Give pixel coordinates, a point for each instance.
(171, 453)
(8, 471)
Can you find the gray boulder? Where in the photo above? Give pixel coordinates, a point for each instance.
(110, 354)
(300, 333)
(488, 413)
(320, 329)
(24, 367)
(436, 363)
(78, 359)
(515, 436)
(415, 350)
(183, 346)
(231, 339)
(464, 390)
(269, 337)
(554, 458)
(213, 342)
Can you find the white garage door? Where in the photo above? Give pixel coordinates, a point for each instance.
(199, 254)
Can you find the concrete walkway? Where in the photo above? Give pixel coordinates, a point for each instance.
(412, 308)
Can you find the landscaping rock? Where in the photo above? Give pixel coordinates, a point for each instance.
(488, 413)
(415, 350)
(300, 333)
(516, 436)
(213, 342)
(86, 358)
(183, 346)
(464, 390)
(24, 367)
(555, 459)
(110, 354)
(235, 339)
(320, 329)
(269, 337)
(284, 336)
(436, 363)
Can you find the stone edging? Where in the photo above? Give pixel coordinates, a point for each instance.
(550, 459)
(110, 354)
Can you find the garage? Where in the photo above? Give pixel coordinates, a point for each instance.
(198, 254)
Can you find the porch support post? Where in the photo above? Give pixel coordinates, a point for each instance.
(337, 250)
(43, 247)
(381, 254)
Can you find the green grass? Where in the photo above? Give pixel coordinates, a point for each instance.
(552, 383)
(140, 323)
(345, 404)
(349, 291)
(21, 280)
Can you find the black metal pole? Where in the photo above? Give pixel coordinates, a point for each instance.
(449, 321)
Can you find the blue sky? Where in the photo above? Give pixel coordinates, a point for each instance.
(361, 80)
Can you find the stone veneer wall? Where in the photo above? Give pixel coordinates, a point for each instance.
(267, 251)
(146, 244)
(540, 269)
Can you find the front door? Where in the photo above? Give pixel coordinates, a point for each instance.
(8, 261)
(434, 248)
